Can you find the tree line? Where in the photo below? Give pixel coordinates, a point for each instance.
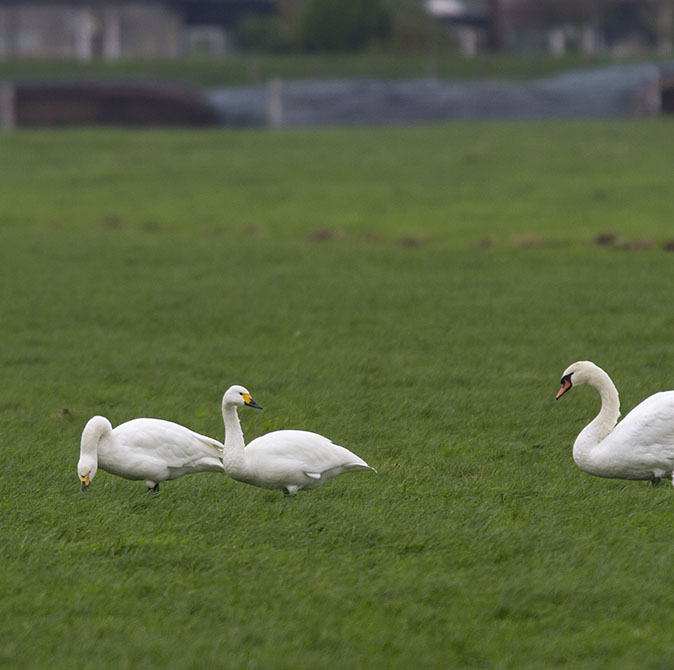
(351, 25)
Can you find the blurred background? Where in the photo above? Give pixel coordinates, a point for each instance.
(303, 62)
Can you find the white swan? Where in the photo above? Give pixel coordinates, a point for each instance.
(641, 446)
(284, 459)
(151, 449)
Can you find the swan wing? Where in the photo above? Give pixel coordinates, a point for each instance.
(174, 445)
(309, 452)
(646, 434)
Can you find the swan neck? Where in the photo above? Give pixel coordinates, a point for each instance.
(585, 450)
(97, 428)
(233, 457)
(610, 402)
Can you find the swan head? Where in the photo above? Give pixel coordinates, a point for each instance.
(238, 396)
(86, 470)
(97, 429)
(580, 372)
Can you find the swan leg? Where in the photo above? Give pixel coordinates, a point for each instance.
(152, 487)
(656, 480)
(290, 490)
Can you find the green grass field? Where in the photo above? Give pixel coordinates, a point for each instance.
(412, 293)
(247, 68)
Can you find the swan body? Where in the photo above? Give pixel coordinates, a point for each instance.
(284, 459)
(641, 446)
(153, 450)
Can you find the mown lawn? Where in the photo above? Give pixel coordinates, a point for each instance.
(414, 294)
(253, 68)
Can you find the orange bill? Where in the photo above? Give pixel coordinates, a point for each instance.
(566, 385)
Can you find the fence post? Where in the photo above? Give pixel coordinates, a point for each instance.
(275, 103)
(7, 106)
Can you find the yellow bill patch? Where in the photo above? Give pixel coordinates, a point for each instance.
(246, 398)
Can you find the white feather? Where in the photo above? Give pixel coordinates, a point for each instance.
(284, 459)
(153, 450)
(641, 446)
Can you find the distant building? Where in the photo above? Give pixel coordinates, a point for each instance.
(469, 19)
(90, 29)
(623, 27)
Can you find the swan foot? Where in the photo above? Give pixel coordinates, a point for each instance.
(656, 480)
(152, 487)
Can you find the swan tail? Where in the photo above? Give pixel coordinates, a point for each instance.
(347, 467)
(355, 467)
(211, 442)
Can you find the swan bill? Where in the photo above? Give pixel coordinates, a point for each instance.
(249, 402)
(566, 385)
(85, 482)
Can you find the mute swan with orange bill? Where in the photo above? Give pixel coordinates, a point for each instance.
(641, 446)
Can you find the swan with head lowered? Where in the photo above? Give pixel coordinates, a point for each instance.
(153, 450)
(289, 460)
(641, 446)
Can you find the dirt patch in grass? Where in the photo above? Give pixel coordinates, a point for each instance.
(410, 241)
(529, 241)
(111, 223)
(605, 239)
(639, 244)
(251, 230)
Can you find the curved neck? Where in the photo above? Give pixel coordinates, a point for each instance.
(233, 456)
(97, 427)
(584, 452)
